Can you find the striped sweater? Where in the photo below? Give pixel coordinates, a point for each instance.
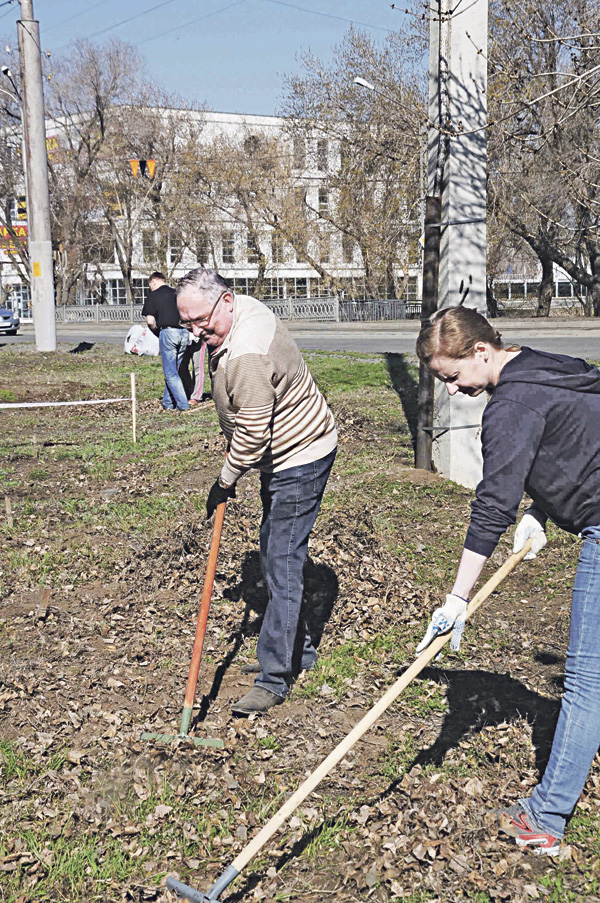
(270, 410)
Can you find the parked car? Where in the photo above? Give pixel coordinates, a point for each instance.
(9, 322)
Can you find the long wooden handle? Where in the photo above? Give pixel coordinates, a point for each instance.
(209, 580)
(251, 849)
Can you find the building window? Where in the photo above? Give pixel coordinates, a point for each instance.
(412, 288)
(564, 290)
(323, 200)
(299, 153)
(276, 247)
(202, 248)
(148, 245)
(344, 153)
(301, 288)
(89, 292)
(175, 251)
(116, 293)
(348, 248)
(322, 153)
(324, 247)
(140, 290)
(252, 145)
(251, 250)
(300, 203)
(228, 244)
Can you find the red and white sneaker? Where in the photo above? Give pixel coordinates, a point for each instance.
(518, 823)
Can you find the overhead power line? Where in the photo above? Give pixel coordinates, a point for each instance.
(221, 9)
(86, 9)
(131, 18)
(316, 12)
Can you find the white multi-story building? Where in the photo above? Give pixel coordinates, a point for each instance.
(287, 275)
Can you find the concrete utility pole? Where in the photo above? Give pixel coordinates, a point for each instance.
(36, 168)
(457, 169)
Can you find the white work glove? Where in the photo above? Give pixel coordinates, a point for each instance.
(451, 615)
(529, 527)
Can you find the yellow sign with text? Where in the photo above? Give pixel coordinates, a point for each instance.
(37, 268)
(10, 239)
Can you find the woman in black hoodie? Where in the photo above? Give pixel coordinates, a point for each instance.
(541, 435)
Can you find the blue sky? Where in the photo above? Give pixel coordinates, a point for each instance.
(229, 54)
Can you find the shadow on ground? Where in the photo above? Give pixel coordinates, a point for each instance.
(478, 699)
(321, 590)
(406, 388)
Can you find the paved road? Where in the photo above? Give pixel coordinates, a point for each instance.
(579, 337)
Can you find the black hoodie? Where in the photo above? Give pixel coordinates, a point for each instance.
(540, 434)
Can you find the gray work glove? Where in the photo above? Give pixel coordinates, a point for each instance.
(530, 528)
(451, 615)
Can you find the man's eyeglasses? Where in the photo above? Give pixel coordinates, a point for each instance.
(201, 322)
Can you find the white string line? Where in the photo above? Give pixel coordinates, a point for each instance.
(57, 404)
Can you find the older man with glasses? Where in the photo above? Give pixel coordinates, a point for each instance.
(276, 421)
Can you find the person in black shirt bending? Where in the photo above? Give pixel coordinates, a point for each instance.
(541, 435)
(160, 310)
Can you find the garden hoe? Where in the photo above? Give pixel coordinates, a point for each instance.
(190, 692)
(313, 780)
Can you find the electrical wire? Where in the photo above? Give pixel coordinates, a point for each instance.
(222, 9)
(9, 10)
(87, 9)
(316, 12)
(131, 18)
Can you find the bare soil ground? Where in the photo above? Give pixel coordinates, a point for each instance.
(100, 582)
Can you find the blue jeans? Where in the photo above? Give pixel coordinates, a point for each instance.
(577, 734)
(291, 500)
(172, 343)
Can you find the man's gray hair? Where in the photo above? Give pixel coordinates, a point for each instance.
(207, 282)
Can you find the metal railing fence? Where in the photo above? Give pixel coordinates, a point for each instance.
(321, 310)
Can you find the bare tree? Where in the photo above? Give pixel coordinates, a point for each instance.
(13, 210)
(545, 136)
(365, 149)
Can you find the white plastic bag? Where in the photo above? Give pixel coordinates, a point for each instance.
(141, 340)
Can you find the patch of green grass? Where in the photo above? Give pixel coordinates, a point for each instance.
(38, 474)
(559, 890)
(423, 698)
(417, 896)
(270, 743)
(39, 568)
(71, 866)
(346, 372)
(584, 830)
(16, 766)
(328, 836)
(397, 757)
(7, 396)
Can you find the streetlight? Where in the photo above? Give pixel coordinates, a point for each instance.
(363, 83)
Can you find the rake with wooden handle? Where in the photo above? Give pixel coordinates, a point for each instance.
(190, 692)
(313, 780)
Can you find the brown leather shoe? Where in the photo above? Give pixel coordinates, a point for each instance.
(257, 700)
